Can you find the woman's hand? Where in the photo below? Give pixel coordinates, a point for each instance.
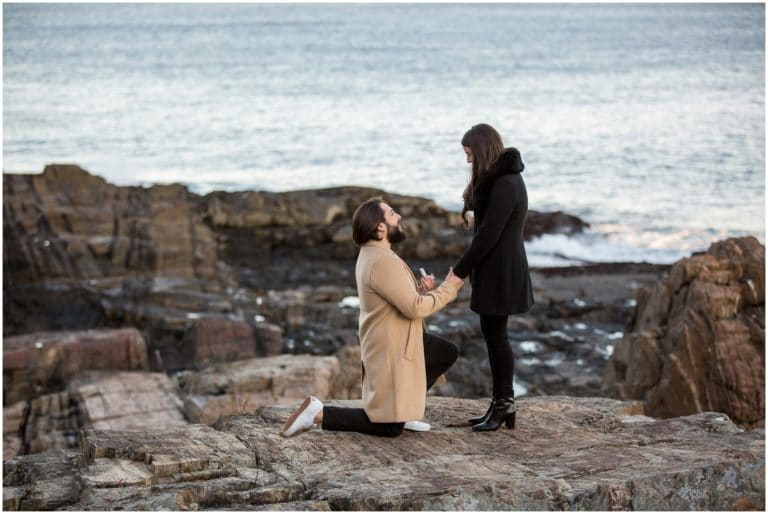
(453, 279)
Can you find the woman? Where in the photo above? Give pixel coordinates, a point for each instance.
(495, 260)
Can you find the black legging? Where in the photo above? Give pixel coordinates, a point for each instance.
(439, 355)
(500, 355)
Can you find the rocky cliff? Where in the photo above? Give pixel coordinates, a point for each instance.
(81, 253)
(565, 454)
(697, 342)
(126, 309)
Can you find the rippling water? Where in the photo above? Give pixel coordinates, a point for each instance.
(648, 121)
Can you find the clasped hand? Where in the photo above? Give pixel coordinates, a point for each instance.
(428, 284)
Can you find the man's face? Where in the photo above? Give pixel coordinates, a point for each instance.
(395, 232)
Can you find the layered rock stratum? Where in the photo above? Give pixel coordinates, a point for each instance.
(565, 454)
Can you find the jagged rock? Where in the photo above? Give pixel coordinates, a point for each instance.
(46, 422)
(67, 223)
(238, 387)
(98, 249)
(538, 224)
(52, 423)
(565, 454)
(348, 383)
(13, 427)
(39, 363)
(698, 339)
(45, 481)
(213, 340)
(316, 320)
(81, 253)
(269, 339)
(126, 400)
(93, 399)
(165, 309)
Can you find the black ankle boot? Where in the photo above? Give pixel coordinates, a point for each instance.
(481, 419)
(502, 412)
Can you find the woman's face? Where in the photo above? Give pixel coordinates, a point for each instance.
(468, 151)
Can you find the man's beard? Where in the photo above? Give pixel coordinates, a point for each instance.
(394, 234)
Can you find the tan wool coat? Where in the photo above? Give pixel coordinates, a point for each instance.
(391, 334)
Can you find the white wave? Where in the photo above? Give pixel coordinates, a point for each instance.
(615, 243)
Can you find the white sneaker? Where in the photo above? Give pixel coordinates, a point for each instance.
(417, 425)
(303, 418)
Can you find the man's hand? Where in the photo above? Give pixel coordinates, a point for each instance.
(427, 284)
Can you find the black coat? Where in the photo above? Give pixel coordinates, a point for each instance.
(495, 261)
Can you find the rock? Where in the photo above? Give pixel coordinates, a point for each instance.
(210, 341)
(72, 235)
(52, 422)
(45, 481)
(114, 464)
(269, 339)
(94, 399)
(126, 400)
(348, 383)
(81, 253)
(13, 429)
(239, 387)
(565, 454)
(39, 363)
(538, 224)
(563, 355)
(697, 342)
(165, 309)
(316, 321)
(573, 307)
(75, 246)
(66, 223)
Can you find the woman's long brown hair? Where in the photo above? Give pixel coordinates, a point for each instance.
(485, 143)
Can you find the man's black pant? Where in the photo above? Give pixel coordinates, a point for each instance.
(439, 355)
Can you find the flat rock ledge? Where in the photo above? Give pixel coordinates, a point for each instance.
(565, 454)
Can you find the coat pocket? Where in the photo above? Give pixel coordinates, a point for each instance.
(410, 347)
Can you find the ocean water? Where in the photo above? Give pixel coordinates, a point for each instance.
(647, 121)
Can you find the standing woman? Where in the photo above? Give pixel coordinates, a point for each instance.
(495, 261)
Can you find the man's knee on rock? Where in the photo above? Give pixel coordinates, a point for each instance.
(395, 430)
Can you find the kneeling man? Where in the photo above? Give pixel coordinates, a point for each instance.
(401, 361)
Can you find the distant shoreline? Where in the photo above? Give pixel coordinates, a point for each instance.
(579, 248)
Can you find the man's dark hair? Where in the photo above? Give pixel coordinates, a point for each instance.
(366, 219)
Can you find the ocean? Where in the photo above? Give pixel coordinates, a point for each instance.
(647, 121)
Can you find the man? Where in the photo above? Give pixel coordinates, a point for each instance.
(400, 360)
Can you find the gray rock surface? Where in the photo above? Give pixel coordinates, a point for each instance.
(565, 454)
(126, 400)
(243, 386)
(92, 399)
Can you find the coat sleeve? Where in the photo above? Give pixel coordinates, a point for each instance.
(497, 213)
(391, 280)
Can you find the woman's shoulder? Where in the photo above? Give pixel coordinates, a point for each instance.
(507, 181)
